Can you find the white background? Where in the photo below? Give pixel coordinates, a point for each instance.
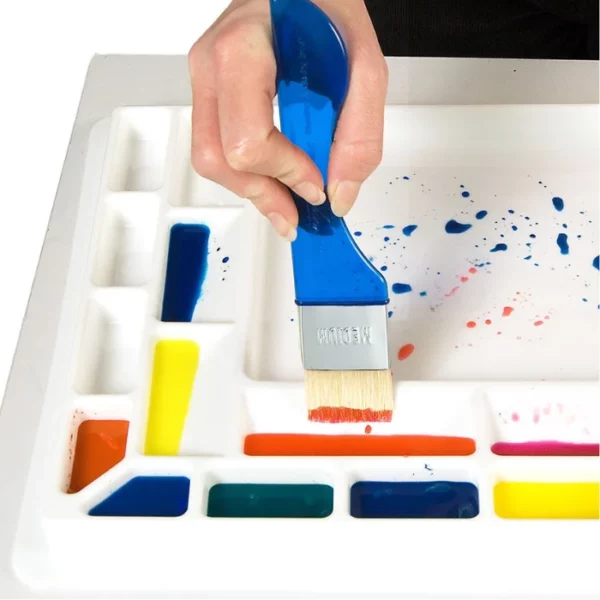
(45, 49)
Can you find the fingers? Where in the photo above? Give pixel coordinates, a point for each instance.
(269, 196)
(358, 144)
(245, 78)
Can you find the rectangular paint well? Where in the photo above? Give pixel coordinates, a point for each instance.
(414, 500)
(174, 371)
(99, 447)
(187, 264)
(276, 444)
(541, 500)
(258, 500)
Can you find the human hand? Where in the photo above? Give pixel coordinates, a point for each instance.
(234, 140)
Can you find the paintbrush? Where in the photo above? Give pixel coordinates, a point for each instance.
(342, 298)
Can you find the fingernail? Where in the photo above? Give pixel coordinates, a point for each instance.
(282, 227)
(310, 192)
(343, 195)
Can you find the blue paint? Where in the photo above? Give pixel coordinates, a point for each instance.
(453, 226)
(422, 294)
(559, 203)
(461, 185)
(528, 244)
(414, 500)
(225, 260)
(527, 218)
(514, 228)
(358, 233)
(407, 231)
(428, 468)
(527, 257)
(401, 288)
(465, 194)
(146, 496)
(389, 226)
(511, 211)
(562, 242)
(186, 270)
(406, 178)
(499, 248)
(536, 264)
(585, 299)
(481, 215)
(595, 262)
(386, 239)
(565, 226)
(532, 236)
(390, 314)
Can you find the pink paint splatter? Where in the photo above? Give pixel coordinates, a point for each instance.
(514, 417)
(452, 291)
(464, 279)
(547, 409)
(473, 270)
(536, 416)
(508, 310)
(471, 324)
(538, 323)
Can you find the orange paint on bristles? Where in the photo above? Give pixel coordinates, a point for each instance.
(337, 414)
(284, 444)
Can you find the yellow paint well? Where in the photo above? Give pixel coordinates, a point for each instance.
(173, 374)
(537, 500)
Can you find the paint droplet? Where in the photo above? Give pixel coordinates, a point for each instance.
(514, 417)
(389, 226)
(532, 236)
(401, 288)
(514, 228)
(481, 215)
(407, 231)
(453, 226)
(585, 299)
(596, 262)
(511, 211)
(527, 257)
(368, 429)
(384, 268)
(473, 270)
(225, 259)
(464, 279)
(422, 293)
(390, 314)
(465, 194)
(562, 242)
(559, 203)
(358, 233)
(499, 248)
(538, 323)
(386, 239)
(406, 178)
(507, 311)
(488, 322)
(471, 324)
(452, 291)
(405, 351)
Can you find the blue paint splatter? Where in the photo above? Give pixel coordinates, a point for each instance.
(564, 225)
(585, 299)
(453, 226)
(527, 218)
(562, 242)
(559, 203)
(390, 314)
(226, 260)
(389, 226)
(428, 468)
(461, 185)
(406, 178)
(511, 211)
(423, 294)
(499, 248)
(595, 262)
(481, 215)
(384, 268)
(407, 231)
(386, 239)
(358, 233)
(514, 228)
(465, 194)
(532, 236)
(401, 288)
(527, 257)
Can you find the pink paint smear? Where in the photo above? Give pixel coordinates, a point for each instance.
(546, 448)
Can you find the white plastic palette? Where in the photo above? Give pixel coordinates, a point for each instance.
(529, 375)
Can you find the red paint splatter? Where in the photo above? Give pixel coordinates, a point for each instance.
(472, 270)
(547, 317)
(405, 351)
(471, 324)
(508, 310)
(518, 293)
(452, 291)
(514, 417)
(538, 323)
(488, 322)
(536, 416)
(498, 333)
(464, 279)
(368, 429)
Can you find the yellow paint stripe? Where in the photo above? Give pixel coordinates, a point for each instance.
(174, 371)
(537, 500)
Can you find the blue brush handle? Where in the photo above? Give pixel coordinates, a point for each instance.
(312, 83)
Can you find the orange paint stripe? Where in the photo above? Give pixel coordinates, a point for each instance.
(284, 444)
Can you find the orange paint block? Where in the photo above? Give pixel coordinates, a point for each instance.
(283, 444)
(100, 446)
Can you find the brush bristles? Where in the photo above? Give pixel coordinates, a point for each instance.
(349, 396)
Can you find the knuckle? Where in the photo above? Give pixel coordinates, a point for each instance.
(229, 41)
(206, 161)
(367, 154)
(245, 155)
(372, 70)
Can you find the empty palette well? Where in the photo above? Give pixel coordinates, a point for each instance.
(414, 500)
(173, 375)
(547, 500)
(99, 447)
(283, 501)
(147, 496)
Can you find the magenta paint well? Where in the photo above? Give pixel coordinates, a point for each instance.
(545, 448)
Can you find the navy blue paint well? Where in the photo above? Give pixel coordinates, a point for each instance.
(407, 231)
(186, 270)
(401, 288)
(596, 262)
(481, 215)
(559, 203)
(146, 496)
(453, 226)
(414, 500)
(563, 243)
(499, 248)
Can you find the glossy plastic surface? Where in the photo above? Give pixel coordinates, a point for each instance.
(312, 83)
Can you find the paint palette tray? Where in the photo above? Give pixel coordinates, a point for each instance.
(157, 435)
